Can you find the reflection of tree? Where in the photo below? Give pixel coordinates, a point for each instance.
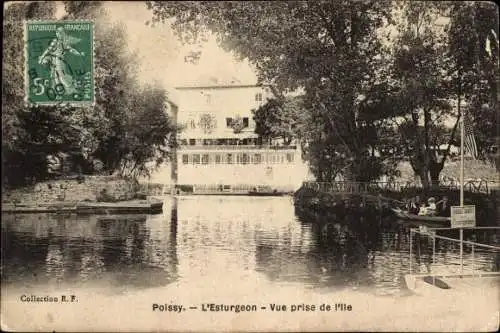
(88, 248)
(128, 255)
(23, 257)
(348, 250)
(173, 233)
(336, 255)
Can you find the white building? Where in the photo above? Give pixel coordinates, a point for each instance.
(219, 149)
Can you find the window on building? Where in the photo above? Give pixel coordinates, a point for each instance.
(196, 158)
(192, 142)
(289, 157)
(229, 122)
(192, 124)
(217, 159)
(245, 121)
(258, 97)
(208, 99)
(185, 159)
(229, 158)
(204, 159)
(245, 158)
(257, 159)
(281, 158)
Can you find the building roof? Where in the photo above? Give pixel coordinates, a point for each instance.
(219, 86)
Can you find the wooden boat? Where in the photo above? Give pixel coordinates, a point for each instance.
(265, 191)
(266, 194)
(421, 218)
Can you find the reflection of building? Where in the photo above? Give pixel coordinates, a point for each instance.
(219, 149)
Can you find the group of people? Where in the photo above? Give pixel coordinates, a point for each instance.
(428, 208)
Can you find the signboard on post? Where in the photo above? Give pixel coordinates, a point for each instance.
(463, 216)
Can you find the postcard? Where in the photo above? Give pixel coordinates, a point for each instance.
(250, 166)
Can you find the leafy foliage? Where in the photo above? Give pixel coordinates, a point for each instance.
(473, 49)
(208, 122)
(237, 124)
(422, 91)
(328, 49)
(367, 106)
(279, 118)
(126, 129)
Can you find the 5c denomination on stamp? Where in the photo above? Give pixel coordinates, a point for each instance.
(59, 62)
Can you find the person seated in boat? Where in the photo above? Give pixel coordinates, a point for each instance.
(423, 210)
(414, 206)
(431, 207)
(443, 208)
(405, 204)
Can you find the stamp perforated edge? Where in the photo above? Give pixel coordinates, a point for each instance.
(27, 102)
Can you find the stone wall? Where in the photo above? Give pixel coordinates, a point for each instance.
(87, 188)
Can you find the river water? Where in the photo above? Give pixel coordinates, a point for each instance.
(231, 250)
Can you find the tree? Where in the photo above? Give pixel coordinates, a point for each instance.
(115, 130)
(129, 123)
(473, 50)
(207, 122)
(148, 132)
(330, 49)
(423, 91)
(436, 71)
(29, 135)
(279, 118)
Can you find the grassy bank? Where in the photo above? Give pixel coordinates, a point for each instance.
(473, 170)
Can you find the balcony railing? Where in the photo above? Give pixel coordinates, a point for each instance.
(236, 147)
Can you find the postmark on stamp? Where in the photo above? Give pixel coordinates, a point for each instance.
(59, 62)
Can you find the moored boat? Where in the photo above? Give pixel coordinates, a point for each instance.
(444, 220)
(265, 191)
(266, 194)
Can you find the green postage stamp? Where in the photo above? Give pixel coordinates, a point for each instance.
(59, 62)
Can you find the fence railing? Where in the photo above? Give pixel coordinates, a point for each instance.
(164, 189)
(432, 234)
(481, 186)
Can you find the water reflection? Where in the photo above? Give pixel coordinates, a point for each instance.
(200, 239)
(102, 251)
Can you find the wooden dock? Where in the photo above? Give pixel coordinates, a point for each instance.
(152, 206)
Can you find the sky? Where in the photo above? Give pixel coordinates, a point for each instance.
(161, 55)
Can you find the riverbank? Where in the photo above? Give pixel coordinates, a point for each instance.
(321, 203)
(80, 195)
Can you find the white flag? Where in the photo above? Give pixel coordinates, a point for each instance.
(487, 46)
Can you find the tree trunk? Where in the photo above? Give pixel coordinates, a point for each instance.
(426, 183)
(350, 173)
(422, 172)
(434, 172)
